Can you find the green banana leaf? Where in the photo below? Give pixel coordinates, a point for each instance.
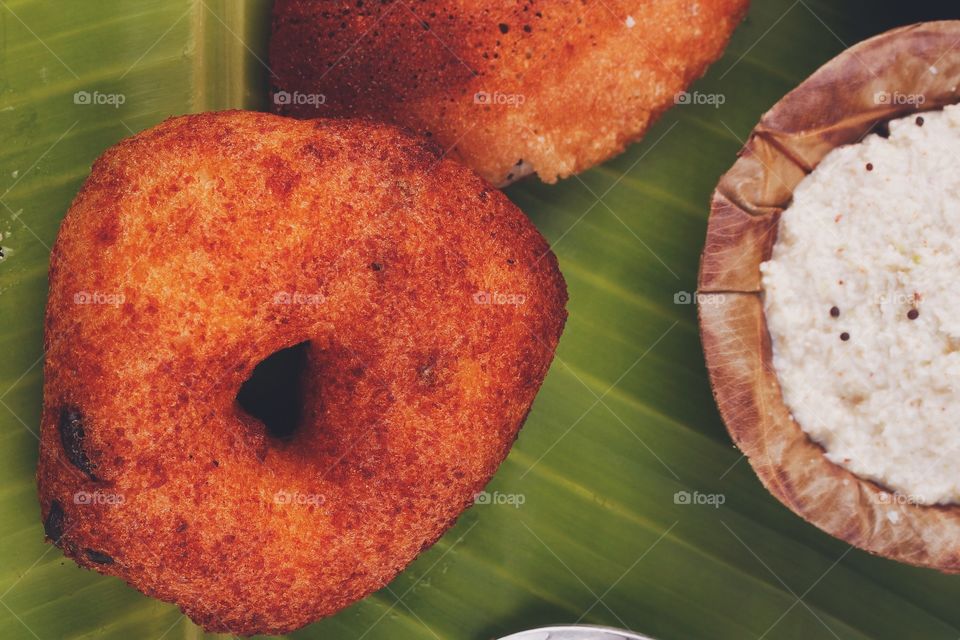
(587, 520)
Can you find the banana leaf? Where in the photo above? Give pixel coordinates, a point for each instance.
(623, 503)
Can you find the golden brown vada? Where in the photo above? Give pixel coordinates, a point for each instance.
(509, 88)
(427, 308)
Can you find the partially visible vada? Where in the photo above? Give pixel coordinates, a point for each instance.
(424, 309)
(509, 88)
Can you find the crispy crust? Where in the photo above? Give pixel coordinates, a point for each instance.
(589, 82)
(198, 248)
(837, 105)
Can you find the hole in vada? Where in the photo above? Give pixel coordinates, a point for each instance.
(274, 393)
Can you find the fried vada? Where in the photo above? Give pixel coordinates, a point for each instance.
(552, 87)
(425, 307)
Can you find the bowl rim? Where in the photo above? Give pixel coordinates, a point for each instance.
(584, 629)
